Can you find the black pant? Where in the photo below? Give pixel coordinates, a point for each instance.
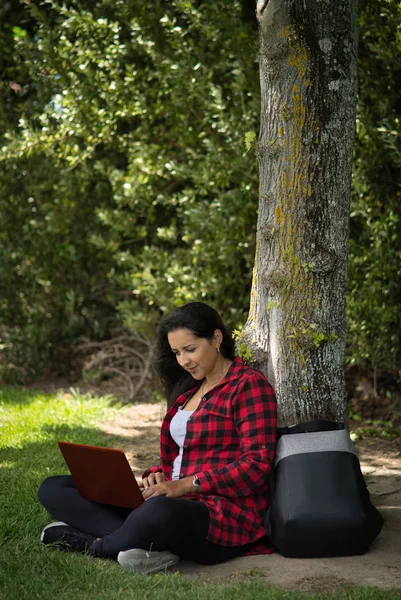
(160, 523)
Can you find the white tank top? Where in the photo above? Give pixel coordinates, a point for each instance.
(178, 431)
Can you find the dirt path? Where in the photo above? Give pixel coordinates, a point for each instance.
(138, 431)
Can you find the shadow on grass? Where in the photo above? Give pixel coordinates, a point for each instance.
(86, 435)
(23, 396)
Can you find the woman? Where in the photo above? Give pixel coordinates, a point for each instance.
(207, 499)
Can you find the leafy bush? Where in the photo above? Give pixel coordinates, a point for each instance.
(126, 187)
(374, 300)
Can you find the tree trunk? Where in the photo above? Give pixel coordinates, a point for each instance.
(296, 325)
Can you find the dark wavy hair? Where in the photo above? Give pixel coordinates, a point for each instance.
(202, 320)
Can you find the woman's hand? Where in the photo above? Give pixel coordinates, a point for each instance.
(153, 479)
(173, 489)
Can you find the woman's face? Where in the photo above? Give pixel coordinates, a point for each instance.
(196, 355)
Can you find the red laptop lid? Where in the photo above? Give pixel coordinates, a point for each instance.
(102, 474)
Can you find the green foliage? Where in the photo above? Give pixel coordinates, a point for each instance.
(126, 188)
(53, 281)
(385, 425)
(250, 138)
(149, 197)
(374, 428)
(243, 350)
(309, 335)
(374, 300)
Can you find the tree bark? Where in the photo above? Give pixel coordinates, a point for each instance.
(296, 325)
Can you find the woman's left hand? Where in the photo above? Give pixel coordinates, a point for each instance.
(173, 489)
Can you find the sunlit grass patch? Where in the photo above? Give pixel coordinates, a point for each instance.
(30, 427)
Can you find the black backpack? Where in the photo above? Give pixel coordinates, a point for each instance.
(320, 503)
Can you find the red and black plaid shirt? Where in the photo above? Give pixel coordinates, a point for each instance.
(229, 445)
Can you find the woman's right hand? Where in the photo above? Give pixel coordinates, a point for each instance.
(153, 479)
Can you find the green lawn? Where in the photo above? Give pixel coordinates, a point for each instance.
(31, 423)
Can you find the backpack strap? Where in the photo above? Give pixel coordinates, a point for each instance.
(310, 427)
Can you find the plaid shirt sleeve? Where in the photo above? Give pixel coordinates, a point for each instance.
(254, 412)
(150, 470)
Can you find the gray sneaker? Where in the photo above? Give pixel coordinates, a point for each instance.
(145, 561)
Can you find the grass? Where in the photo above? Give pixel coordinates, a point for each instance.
(31, 423)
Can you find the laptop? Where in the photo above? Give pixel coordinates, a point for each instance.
(102, 474)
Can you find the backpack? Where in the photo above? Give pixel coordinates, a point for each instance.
(320, 503)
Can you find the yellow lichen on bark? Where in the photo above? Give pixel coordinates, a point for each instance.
(299, 59)
(278, 213)
(254, 293)
(297, 294)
